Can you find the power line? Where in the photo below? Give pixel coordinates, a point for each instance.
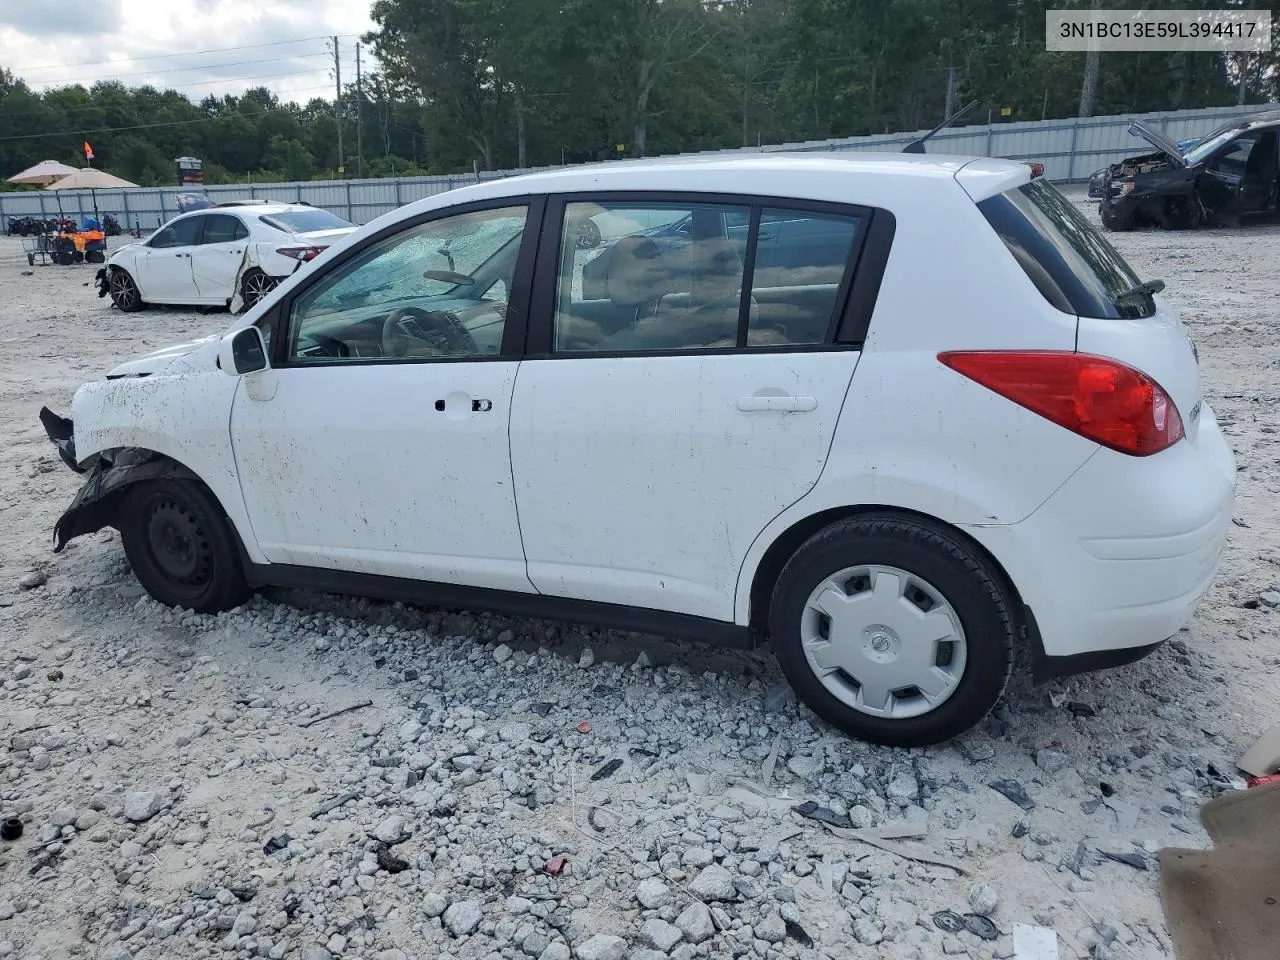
(80, 131)
(203, 66)
(164, 56)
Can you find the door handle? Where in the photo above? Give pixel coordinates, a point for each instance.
(780, 404)
(477, 406)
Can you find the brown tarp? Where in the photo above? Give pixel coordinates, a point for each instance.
(1224, 903)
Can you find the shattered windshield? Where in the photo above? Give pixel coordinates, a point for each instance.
(1203, 150)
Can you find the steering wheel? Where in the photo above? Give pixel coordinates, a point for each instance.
(441, 331)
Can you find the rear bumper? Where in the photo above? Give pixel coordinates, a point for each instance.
(1118, 558)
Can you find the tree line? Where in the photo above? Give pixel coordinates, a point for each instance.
(496, 84)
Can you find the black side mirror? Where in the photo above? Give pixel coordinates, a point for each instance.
(243, 352)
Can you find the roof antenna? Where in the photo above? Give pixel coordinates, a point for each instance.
(917, 146)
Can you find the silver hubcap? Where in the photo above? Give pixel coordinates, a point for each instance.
(883, 641)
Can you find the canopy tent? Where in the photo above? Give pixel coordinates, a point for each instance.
(91, 179)
(43, 173)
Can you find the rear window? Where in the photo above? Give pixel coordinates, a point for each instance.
(305, 221)
(1068, 260)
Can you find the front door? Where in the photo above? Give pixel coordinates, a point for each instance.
(164, 263)
(664, 417)
(377, 442)
(1222, 183)
(216, 261)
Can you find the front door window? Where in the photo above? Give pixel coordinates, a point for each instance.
(435, 290)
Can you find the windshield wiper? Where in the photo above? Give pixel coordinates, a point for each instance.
(1146, 288)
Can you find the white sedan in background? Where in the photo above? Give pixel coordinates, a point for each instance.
(228, 255)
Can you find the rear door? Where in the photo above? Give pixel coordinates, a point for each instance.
(652, 444)
(164, 262)
(216, 261)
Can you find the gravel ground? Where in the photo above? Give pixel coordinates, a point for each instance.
(171, 769)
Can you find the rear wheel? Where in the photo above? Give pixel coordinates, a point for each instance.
(894, 629)
(124, 292)
(181, 547)
(255, 286)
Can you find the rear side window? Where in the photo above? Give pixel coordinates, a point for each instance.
(1068, 260)
(223, 228)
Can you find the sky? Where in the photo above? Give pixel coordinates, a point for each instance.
(198, 47)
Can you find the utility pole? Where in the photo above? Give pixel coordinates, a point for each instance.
(359, 116)
(337, 104)
(950, 101)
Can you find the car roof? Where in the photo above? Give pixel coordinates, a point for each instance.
(814, 175)
(1250, 121)
(251, 207)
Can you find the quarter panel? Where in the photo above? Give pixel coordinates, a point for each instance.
(184, 416)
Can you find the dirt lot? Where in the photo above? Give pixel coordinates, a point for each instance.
(154, 756)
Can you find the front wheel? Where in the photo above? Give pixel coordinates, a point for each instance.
(124, 292)
(894, 629)
(181, 547)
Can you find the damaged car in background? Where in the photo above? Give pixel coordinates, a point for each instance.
(1228, 177)
(228, 255)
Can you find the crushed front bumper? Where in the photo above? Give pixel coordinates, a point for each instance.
(61, 432)
(103, 280)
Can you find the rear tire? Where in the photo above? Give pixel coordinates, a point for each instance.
(920, 645)
(255, 286)
(181, 546)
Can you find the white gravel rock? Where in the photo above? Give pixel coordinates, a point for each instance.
(771, 929)
(695, 923)
(390, 830)
(660, 934)
(714, 883)
(462, 918)
(984, 900)
(653, 893)
(143, 805)
(602, 946)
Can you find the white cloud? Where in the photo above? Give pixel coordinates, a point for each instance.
(279, 44)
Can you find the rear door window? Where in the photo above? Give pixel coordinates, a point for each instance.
(1068, 260)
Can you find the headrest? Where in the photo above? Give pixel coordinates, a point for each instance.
(717, 270)
(637, 272)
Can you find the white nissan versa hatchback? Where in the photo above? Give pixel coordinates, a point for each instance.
(895, 414)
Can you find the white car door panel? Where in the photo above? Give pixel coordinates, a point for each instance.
(352, 467)
(216, 261)
(163, 264)
(378, 444)
(643, 480)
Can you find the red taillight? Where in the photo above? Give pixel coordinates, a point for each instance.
(1037, 169)
(301, 253)
(1105, 400)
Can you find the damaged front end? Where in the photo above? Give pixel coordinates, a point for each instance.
(1149, 190)
(103, 279)
(109, 475)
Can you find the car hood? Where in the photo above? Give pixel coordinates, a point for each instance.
(163, 359)
(1157, 140)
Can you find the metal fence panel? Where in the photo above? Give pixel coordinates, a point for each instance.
(1070, 149)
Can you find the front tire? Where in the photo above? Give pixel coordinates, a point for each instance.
(181, 547)
(124, 291)
(894, 629)
(1120, 223)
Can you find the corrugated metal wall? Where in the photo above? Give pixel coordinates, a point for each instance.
(1070, 150)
